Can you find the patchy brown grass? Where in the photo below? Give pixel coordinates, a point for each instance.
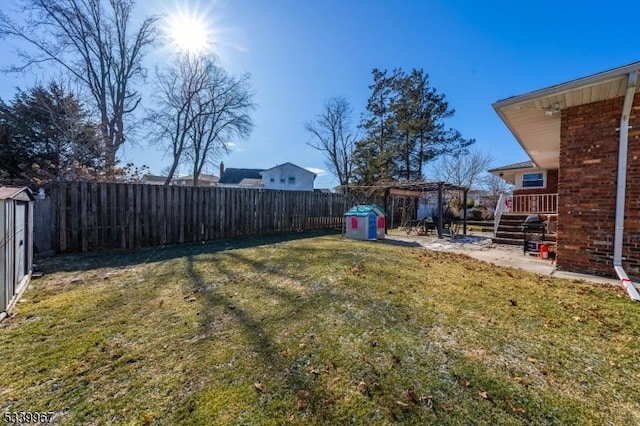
(317, 331)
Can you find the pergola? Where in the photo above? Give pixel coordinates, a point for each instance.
(417, 190)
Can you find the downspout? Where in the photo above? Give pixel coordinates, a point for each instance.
(622, 186)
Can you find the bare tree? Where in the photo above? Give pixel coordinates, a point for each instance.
(201, 108)
(463, 169)
(175, 115)
(334, 138)
(495, 186)
(221, 114)
(96, 45)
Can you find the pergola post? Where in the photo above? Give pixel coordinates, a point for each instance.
(464, 207)
(386, 197)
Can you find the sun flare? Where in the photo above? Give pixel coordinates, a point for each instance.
(189, 32)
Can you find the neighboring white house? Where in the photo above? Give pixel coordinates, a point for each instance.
(289, 177)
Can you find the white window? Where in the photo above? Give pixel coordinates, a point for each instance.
(272, 179)
(281, 180)
(292, 180)
(533, 180)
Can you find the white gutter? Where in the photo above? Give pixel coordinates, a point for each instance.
(622, 186)
(562, 88)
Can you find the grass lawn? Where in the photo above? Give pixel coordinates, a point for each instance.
(320, 330)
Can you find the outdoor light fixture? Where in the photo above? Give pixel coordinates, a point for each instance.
(552, 109)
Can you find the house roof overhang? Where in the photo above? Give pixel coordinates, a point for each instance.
(509, 171)
(534, 118)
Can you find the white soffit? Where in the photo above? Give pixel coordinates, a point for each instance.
(534, 118)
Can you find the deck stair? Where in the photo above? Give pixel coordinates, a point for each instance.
(510, 230)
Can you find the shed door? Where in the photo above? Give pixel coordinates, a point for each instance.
(372, 228)
(20, 240)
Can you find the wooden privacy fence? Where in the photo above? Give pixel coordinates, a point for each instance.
(96, 216)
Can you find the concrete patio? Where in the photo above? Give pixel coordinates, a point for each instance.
(480, 246)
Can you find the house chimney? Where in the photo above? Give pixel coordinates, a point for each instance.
(221, 168)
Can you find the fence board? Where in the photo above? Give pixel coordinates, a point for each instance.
(62, 209)
(42, 225)
(157, 216)
(93, 215)
(181, 208)
(152, 214)
(143, 218)
(81, 217)
(83, 201)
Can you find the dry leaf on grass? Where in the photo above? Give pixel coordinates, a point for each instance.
(445, 407)
(402, 404)
(258, 386)
(485, 395)
(147, 419)
(427, 400)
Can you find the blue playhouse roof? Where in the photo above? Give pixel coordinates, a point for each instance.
(362, 210)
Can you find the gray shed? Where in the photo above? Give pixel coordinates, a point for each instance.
(16, 247)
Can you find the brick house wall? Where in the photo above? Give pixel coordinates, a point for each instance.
(587, 189)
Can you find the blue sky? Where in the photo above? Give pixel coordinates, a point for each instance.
(299, 53)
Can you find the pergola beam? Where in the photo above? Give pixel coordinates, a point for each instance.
(417, 190)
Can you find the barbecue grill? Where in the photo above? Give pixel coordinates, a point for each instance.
(533, 224)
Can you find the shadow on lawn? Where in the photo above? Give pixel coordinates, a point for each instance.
(410, 244)
(124, 258)
(263, 345)
(299, 300)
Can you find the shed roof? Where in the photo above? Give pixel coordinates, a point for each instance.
(16, 193)
(361, 210)
(154, 179)
(251, 182)
(202, 178)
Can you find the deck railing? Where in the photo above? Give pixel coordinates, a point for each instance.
(534, 203)
(501, 207)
